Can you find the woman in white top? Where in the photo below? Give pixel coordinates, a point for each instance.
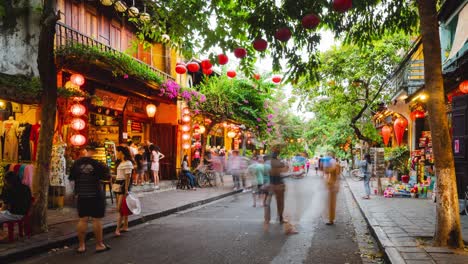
(155, 157)
(124, 173)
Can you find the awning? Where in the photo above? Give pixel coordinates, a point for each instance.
(461, 33)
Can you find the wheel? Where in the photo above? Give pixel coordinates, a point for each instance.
(356, 175)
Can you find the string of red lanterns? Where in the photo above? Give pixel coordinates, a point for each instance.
(77, 110)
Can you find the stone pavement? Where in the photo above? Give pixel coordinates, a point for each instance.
(404, 227)
(155, 204)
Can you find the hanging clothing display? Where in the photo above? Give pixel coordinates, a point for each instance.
(24, 147)
(10, 147)
(34, 137)
(58, 165)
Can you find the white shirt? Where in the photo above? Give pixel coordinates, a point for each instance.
(124, 168)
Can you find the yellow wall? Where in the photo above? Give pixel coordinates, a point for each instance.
(157, 51)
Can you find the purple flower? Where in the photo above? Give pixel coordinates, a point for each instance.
(196, 111)
(269, 129)
(125, 76)
(202, 98)
(259, 119)
(270, 116)
(161, 92)
(246, 101)
(269, 124)
(186, 95)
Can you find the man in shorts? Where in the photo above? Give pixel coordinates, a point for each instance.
(87, 173)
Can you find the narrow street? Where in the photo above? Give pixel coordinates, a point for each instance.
(231, 231)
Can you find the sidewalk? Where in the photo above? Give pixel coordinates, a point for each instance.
(404, 227)
(155, 204)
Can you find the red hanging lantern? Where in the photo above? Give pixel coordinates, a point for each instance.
(231, 73)
(196, 126)
(198, 144)
(413, 115)
(342, 5)
(420, 114)
(77, 140)
(193, 66)
(386, 132)
(77, 79)
(196, 136)
(399, 126)
(181, 69)
(197, 154)
(206, 64)
(283, 34)
(223, 59)
(260, 44)
(77, 124)
(276, 79)
(77, 109)
(256, 76)
(207, 71)
(240, 53)
(310, 21)
(185, 136)
(464, 86)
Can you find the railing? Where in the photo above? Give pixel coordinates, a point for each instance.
(66, 36)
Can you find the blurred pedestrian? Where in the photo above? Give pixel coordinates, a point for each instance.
(366, 168)
(156, 155)
(217, 165)
(331, 173)
(255, 171)
(86, 172)
(124, 172)
(235, 168)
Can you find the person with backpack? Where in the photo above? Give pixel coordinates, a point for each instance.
(366, 169)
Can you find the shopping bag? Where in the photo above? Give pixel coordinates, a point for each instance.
(133, 203)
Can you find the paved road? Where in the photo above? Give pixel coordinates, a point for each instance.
(231, 231)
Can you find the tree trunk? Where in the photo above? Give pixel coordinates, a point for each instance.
(48, 102)
(448, 231)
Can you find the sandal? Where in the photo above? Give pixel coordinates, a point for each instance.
(107, 248)
(81, 251)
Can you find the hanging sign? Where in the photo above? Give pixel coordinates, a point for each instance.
(136, 127)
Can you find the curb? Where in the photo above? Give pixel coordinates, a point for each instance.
(16, 255)
(391, 254)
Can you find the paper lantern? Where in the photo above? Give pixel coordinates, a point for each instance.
(399, 127)
(231, 134)
(185, 128)
(240, 53)
(77, 124)
(464, 86)
(181, 69)
(206, 64)
(145, 17)
(133, 11)
(223, 59)
(77, 140)
(207, 71)
(193, 66)
(420, 114)
(386, 132)
(196, 136)
(107, 2)
(186, 118)
(186, 111)
(276, 79)
(77, 109)
(151, 110)
(342, 5)
(196, 127)
(256, 76)
(202, 129)
(231, 73)
(77, 79)
(310, 21)
(197, 154)
(186, 146)
(260, 44)
(185, 136)
(120, 6)
(198, 144)
(283, 34)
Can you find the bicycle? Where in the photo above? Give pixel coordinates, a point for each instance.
(205, 177)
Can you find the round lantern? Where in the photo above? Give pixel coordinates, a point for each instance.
(196, 136)
(206, 64)
(77, 124)
(78, 140)
(260, 44)
(342, 5)
(120, 6)
(202, 129)
(196, 127)
(77, 79)
(420, 114)
(310, 21)
(151, 110)
(223, 59)
(186, 146)
(231, 73)
(133, 11)
(283, 34)
(185, 136)
(386, 132)
(231, 134)
(207, 71)
(256, 76)
(145, 17)
(107, 2)
(186, 118)
(185, 128)
(399, 126)
(276, 79)
(77, 109)
(186, 111)
(193, 67)
(181, 69)
(464, 86)
(240, 53)
(198, 144)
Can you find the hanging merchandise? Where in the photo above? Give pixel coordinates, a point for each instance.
(10, 144)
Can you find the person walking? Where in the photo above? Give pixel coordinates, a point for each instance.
(87, 173)
(156, 155)
(124, 173)
(255, 171)
(366, 168)
(331, 176)
(234, 168)
(187, 173)
(141, 166)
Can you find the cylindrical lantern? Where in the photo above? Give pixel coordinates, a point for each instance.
(186, 146)
(186, 118)
(386, 132)
(77, 140)
(77, 123)
(185, 128)
(240, 52)
(231, 134)
(399, 126)
(78, 109)
(464, 86)
(185, 136)
(186, 111)
(202, 129)
(133, 11)
(151, 110)
(77, 79)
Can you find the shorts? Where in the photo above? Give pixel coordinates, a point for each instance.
(122, 186)
(6, 216)
(94, 207)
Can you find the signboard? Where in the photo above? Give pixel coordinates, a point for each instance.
(109, 100)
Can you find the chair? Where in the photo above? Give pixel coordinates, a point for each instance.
(24, 225)
(105, 184)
